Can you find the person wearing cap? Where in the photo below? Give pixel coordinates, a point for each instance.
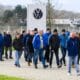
(72, 47)
(54, 44)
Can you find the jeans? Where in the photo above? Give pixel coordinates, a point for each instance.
(38, 53)
(69, 65)
(57, 57)
(6, 52)
(17, 57)
(63, 50)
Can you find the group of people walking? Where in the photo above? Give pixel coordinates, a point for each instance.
(41, 47)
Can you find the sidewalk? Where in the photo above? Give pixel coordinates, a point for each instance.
(7, 68)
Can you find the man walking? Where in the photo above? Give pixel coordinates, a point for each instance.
(38, 45)
(54, 43)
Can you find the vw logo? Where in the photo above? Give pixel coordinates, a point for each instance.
(38, 13)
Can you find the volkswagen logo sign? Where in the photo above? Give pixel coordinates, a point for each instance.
(38, 14)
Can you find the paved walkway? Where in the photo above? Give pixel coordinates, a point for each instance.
(7, 68)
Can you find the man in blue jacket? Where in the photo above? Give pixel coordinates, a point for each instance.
(63, 45)
(38, 45)
(46, 44)
(1, 46)
(72, 46)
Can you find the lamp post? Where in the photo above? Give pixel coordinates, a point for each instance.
(49, 14)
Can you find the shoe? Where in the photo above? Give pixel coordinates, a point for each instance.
(73, 66)
(64, 64)
(6, 57)
(15, 65)
(50, 66)
(29, 64)
(11, 57)
(69, 74)
(45, 66)
(36, 67)
(59, 66)
(18, 66)
(1, 60)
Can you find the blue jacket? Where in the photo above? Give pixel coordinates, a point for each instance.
(46, 39)
(63, 40)
(72, 46)
(1, 41)
(37, 42)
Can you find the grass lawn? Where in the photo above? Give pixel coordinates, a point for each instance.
(2, 77)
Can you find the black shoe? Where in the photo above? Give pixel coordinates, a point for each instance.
(18, 66)
(1, 60)
(59, 66)
(36, 67)
(50, 66)
(64, 64)
(6, 57)
(11, 57)
(15, 65)
(45, 66)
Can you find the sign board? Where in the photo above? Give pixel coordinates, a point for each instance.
(36, 17)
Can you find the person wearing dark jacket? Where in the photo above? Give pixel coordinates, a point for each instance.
(23, 38)
(8, 45)
(18, 46)
(1, 46)
(79, 48)
(30, 49)
(72, 46)
(54, 43)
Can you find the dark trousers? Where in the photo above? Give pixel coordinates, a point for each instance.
(78, 57)
(56, 55)
(30, 56)
(25, 53)
(6, 52)
(1, 54)
(47, 53)
(63, 50)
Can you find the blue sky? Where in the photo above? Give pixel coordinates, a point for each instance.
(70, 5)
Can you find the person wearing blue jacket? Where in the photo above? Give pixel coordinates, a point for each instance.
(72, 47)
(1, 46)
(38, 45)
(46, 44)
(63, 45)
